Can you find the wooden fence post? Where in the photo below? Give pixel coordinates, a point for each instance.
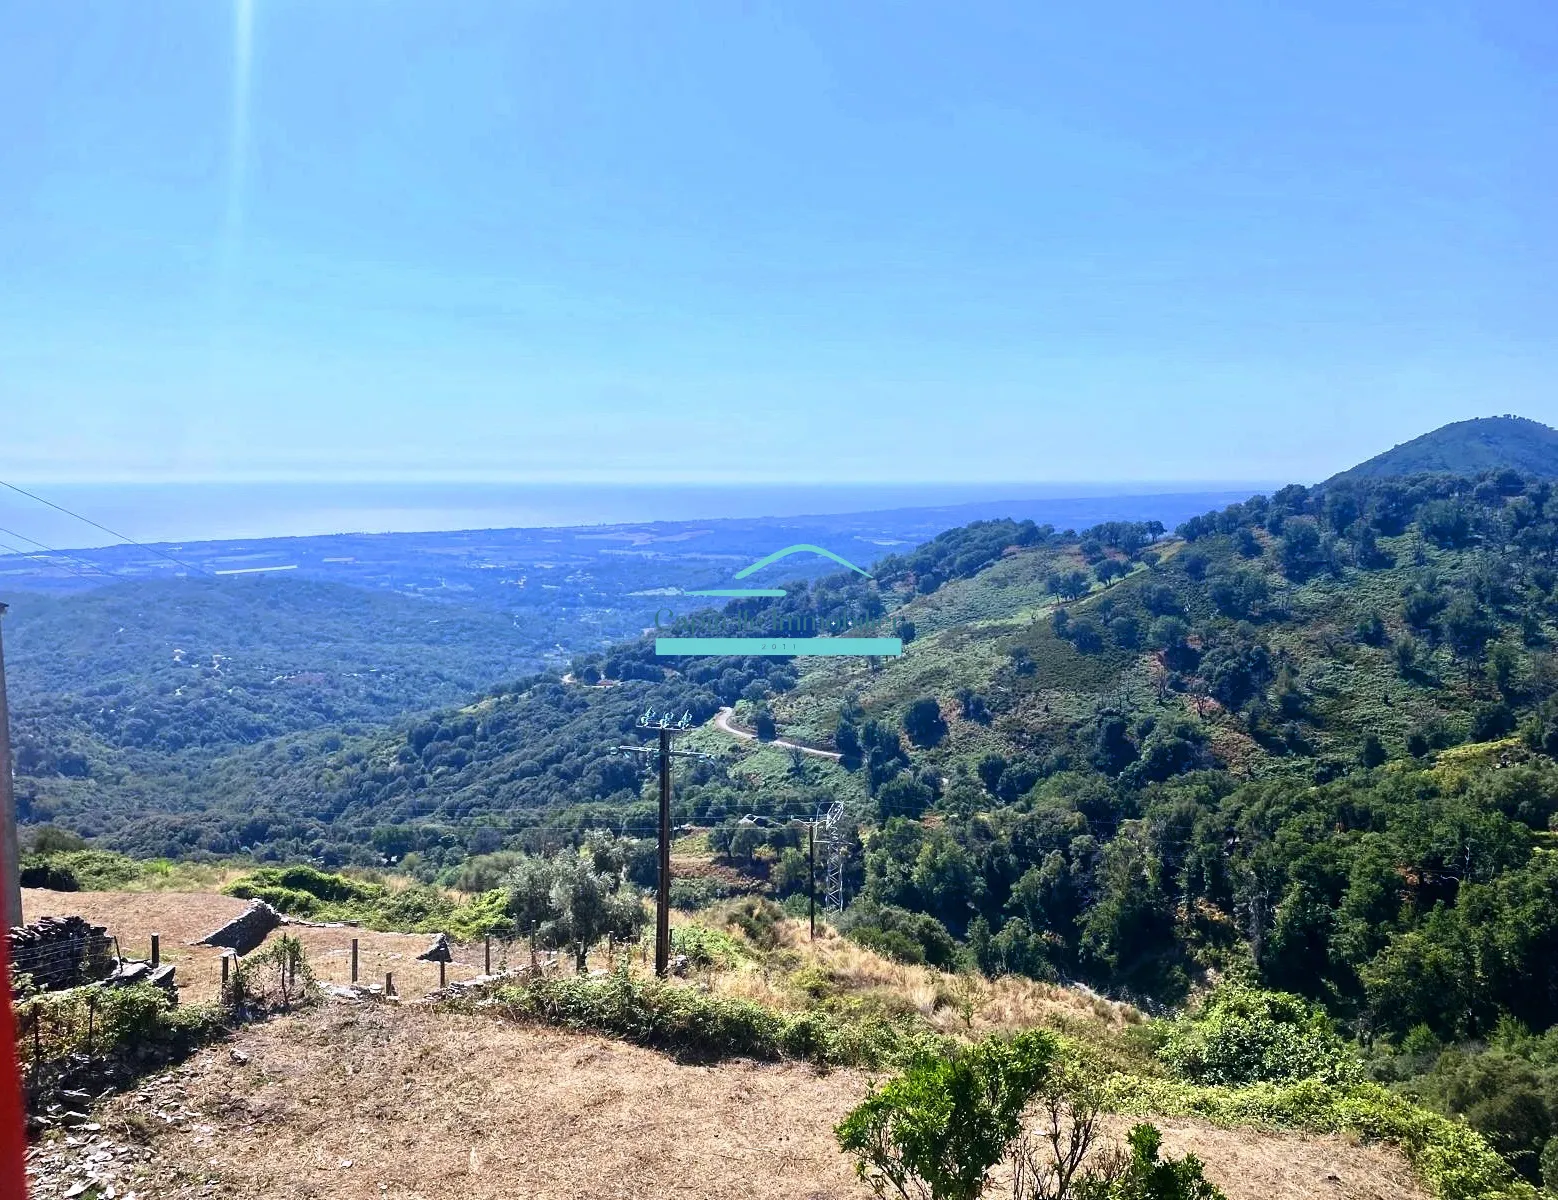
(389, 984)
(354, 960)
(227, 967)
(441, 966)
(488, 969)
(156, 949)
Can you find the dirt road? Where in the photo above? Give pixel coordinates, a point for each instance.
(722, 722)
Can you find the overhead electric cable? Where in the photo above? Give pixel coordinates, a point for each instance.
(104, 528)
(40, 558)
(51, 550)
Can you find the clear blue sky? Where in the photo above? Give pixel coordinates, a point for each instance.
(802, 240)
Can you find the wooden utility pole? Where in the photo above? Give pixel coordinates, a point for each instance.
(666, 726)
(811, 876)
(663, 892)
(10, 849)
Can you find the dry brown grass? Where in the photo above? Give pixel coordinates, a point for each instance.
(185, 917)
(132, 917)
(329, 954)
(1248, 1164)
(429, 1106)
(425, 1105)
(1003, 1005)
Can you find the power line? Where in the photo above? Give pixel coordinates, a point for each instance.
(112, 533)
(20, 553)
(51, 550)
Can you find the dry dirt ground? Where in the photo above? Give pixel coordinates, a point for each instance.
(132, 917)
(185, 917)
(430, 1106)
(370, 1101)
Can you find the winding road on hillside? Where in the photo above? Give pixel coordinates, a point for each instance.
(722, 722)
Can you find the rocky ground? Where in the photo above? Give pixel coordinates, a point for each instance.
(115, 1155)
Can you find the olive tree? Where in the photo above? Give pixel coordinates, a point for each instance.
(565, 901)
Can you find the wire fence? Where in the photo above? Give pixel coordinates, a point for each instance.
(72, 1044)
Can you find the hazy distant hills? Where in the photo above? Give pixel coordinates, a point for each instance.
(1468, 448)
(598, 566)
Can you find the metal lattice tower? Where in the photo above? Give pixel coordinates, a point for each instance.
(831, 829)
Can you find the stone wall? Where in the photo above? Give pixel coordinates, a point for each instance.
(61, 952)
(245, 931)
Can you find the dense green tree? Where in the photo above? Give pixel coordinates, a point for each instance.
(1298, 551)
(923, 722)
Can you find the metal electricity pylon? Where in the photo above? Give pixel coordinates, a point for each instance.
(831, 826)
(666, 725)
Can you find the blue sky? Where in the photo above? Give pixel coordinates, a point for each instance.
(799, 241)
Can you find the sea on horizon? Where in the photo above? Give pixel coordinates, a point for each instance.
(215, 511)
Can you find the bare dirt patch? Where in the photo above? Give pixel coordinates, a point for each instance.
(357, 1102)
(368, 1101)
(1276, 1165)
(329, 954)
(185, 917)
(132, 917)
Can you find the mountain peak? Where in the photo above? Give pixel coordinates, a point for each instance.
(1468, 448)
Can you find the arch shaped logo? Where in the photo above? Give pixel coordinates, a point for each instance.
(770, 632)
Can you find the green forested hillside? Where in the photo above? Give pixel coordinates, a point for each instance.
(1308, 739)
(218, 662)
(1304, 734)
(123, 696)
(1468, 448)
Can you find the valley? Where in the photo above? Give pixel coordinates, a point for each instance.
(1255, 816)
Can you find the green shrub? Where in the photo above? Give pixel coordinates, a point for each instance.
(481, 916)
(325, 886)
(706, 947)
(133, 1026)
(890, 943)
(942, 1125)
(92, 870)
(484, 872)
(302, 890)
(1239, 1034)
(757, 918)
(690, 895)
(813, 982)
(897, 933)
(1142, 1176)
(275, 977)
(51, 839)
(282, 899)
(414, 908)
(47, 873)
(306, 892)
(1504, 1098)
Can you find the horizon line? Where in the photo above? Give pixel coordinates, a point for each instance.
(1188, 484)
